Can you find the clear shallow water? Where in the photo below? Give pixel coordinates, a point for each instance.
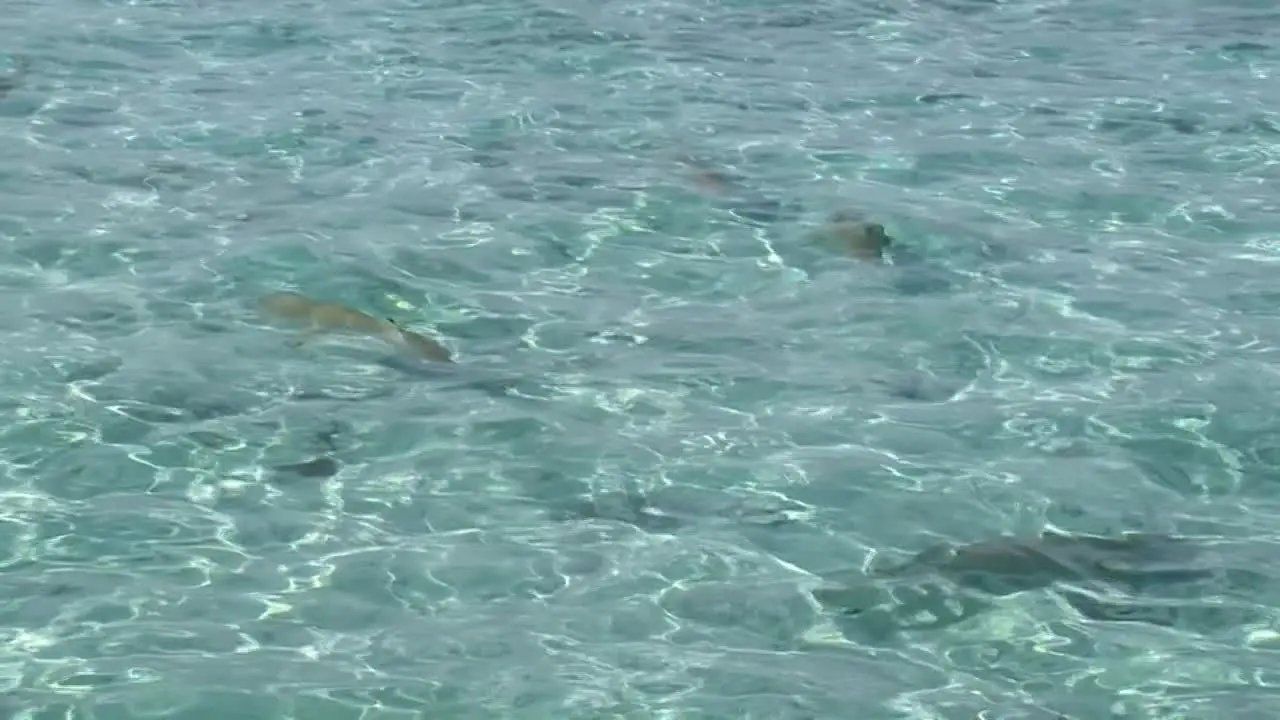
(1087, 341)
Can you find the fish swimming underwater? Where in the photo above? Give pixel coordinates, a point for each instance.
(848, 231)
(853, 235)
(705, 177)
(319, 318)
(733, 195)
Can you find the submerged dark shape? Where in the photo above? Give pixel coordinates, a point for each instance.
(1134, 577)
(763, 210)
(1008, 565)
(849, 231)
(918, 386)
(320, 467)
(630, 508)
(456, 376)
(706, 177)
(14, 80)
(740, 200)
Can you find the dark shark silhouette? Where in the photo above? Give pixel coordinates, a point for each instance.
(1007, 565)
(1133, 577)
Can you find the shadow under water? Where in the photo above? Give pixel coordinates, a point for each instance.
(1135, 577)
(1009, 565)
(486, 381)
(625, 507)
(318, 467)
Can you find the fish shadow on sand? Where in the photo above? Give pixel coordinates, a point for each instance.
(320, 466)
(484, 380)
(1135, 577)
(731, 192)
(624, 507)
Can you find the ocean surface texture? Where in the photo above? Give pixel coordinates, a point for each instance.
(682, 441)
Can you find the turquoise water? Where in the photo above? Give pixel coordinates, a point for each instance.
(676, 435)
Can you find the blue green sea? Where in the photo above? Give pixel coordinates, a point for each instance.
(679, 438)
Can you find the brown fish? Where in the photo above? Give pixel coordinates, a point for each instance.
(850, 232)
(709, 179)
(319, 317)
(706, 178)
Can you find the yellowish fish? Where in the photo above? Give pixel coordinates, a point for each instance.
(319, 317)
(848, 231)
(709, 179)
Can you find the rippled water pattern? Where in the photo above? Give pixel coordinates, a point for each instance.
(679, 438)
